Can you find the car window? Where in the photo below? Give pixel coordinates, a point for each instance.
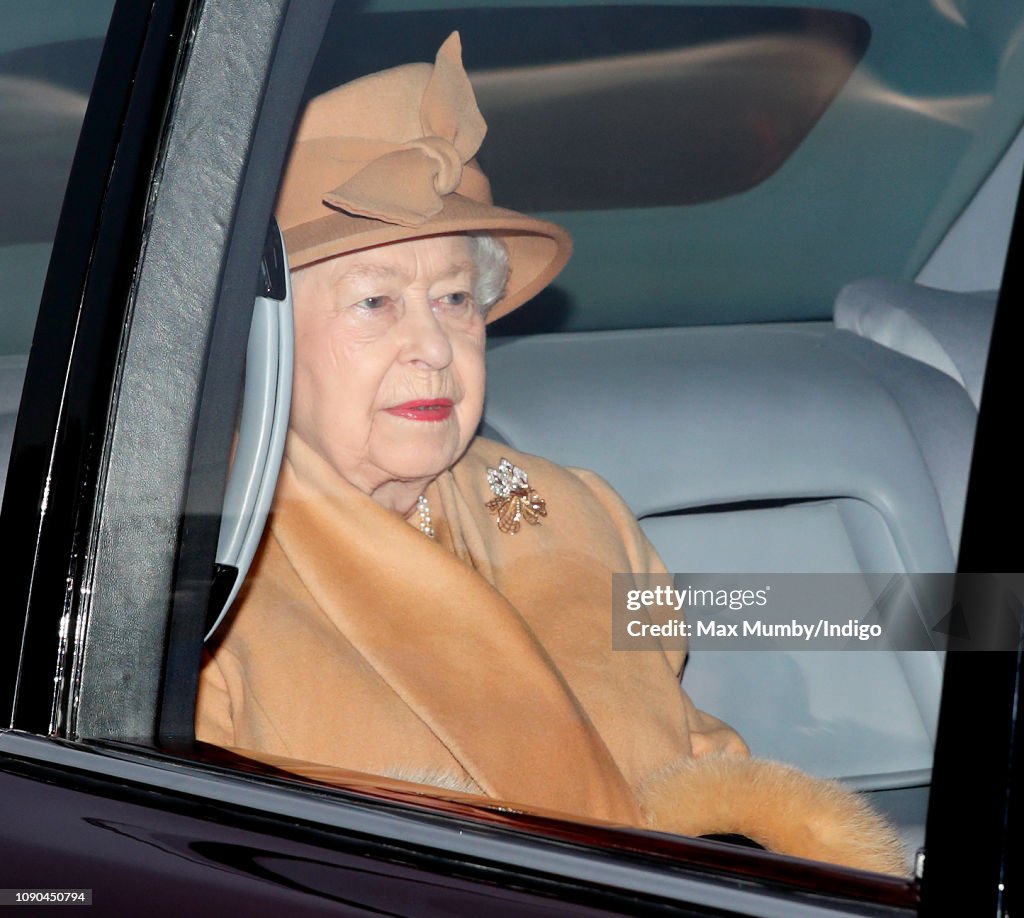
(48, 58)
(791, 506)
(880, 117)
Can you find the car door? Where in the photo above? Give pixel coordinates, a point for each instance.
(111, 513)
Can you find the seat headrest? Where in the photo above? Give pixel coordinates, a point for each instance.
(949, 331)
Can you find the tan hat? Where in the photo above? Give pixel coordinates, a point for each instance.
(390, 157)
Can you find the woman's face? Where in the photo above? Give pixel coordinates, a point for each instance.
(389, 360)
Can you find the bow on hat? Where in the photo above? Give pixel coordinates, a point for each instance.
(390, 157)
(404, 183)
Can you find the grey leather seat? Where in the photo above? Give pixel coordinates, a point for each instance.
(802, 423)
(946, 330)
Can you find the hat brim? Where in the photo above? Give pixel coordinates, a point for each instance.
(538, 250)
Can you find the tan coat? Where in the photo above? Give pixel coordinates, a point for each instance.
(483, 661)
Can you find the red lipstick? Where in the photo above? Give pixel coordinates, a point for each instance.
(426, 409)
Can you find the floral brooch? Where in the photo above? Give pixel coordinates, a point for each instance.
(514, 499)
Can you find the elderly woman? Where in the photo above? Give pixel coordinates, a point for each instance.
(433, 606)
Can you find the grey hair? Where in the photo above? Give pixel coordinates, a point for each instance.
(490, 255)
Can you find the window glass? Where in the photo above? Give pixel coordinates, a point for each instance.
(716, 165)
(49, 51)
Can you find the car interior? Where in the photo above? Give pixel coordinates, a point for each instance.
(752, 472)
(819, 422)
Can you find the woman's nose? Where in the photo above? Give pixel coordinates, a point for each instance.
(425, 339)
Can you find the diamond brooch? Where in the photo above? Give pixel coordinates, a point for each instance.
(514, 499)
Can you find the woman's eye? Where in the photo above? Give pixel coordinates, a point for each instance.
(372, 302)
(455, 300)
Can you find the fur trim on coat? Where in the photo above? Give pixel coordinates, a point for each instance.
(776, 805)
